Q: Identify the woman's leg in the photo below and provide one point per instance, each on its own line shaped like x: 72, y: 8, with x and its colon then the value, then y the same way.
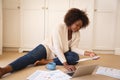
x: 71, y: 58
x: 43, y: 62
x: 36, y: 54
x: 5, y: 70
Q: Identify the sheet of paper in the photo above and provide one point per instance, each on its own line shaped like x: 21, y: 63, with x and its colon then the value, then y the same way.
x: 115, y: 73
x: 91, y: 58
x: 49, y: 75
x: 37, y: 74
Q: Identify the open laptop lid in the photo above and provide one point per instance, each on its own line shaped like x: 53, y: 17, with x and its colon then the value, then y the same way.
x: 84, y: 70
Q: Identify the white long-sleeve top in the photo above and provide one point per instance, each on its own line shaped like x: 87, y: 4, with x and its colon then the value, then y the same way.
x: 57, y: 44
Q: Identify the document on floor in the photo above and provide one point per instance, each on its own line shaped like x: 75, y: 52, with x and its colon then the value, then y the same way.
x: 48, y: 75
x: 90, y: 58
x: 115, y: 73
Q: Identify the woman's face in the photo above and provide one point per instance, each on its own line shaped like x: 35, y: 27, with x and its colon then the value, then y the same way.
x: 76, y: 26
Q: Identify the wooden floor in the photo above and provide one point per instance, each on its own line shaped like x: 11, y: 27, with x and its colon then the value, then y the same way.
x: 108, y: 60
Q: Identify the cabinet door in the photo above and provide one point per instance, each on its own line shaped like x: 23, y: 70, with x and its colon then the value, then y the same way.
x: 32, y: 23
x: 117, y: 31
x: 0, y: 27
x: 55, y: 11
x: 11, y: 23
x: 86, y: 35
x: 105, y: 23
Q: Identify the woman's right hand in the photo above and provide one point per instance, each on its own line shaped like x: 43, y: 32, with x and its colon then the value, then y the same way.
x: 69, y: 67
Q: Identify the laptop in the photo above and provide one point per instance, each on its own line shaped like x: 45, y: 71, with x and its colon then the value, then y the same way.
x: 82, y: 70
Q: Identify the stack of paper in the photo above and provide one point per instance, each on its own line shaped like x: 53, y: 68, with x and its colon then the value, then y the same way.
x: 115, y: 73
x: 49, y: 75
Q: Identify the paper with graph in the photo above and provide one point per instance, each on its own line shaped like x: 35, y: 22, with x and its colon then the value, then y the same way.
x: 49, y: 75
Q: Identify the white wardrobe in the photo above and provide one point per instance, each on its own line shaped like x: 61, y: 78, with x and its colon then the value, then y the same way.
x: 28, y: 22
x: 0, y: 27
x: 40, y: 17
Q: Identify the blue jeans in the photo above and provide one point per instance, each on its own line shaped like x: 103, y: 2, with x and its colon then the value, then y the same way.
x: 71, y: 58
x: 40, y: 53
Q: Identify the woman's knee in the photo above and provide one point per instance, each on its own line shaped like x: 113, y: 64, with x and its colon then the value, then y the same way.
x: 72, y: 58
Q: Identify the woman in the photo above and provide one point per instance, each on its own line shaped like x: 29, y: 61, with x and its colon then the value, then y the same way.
x: 60, y: 47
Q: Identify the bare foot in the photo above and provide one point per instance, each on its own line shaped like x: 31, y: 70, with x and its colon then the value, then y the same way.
x: 1, y: 72
x: 42, y: 62
x: 5, y: 70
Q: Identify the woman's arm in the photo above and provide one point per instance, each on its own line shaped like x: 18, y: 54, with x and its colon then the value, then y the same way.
x: 75, y: 43
x: 74, y: 47
x: 57, y: 44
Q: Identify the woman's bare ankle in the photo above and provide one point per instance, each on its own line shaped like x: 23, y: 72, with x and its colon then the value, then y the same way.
x: 5, y: 70
x: 1, y: 72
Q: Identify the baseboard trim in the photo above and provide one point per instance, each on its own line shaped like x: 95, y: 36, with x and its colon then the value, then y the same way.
x: 24, y: 50
x: 99, y: 51
x: 117, y: 51
x: 15, y: 49
x: 103, y: 51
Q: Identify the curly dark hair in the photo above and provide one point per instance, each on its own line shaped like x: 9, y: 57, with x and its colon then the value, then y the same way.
x: 74, y: 15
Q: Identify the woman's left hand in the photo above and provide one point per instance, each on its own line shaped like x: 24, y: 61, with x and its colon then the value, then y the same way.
x: 91, y: 54
x: 88, y: 53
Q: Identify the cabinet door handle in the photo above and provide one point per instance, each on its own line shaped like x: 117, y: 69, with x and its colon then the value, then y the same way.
x: 18, y: 7
x: 43, y: 7
x: 46, y: 7
x: 95, y: 10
